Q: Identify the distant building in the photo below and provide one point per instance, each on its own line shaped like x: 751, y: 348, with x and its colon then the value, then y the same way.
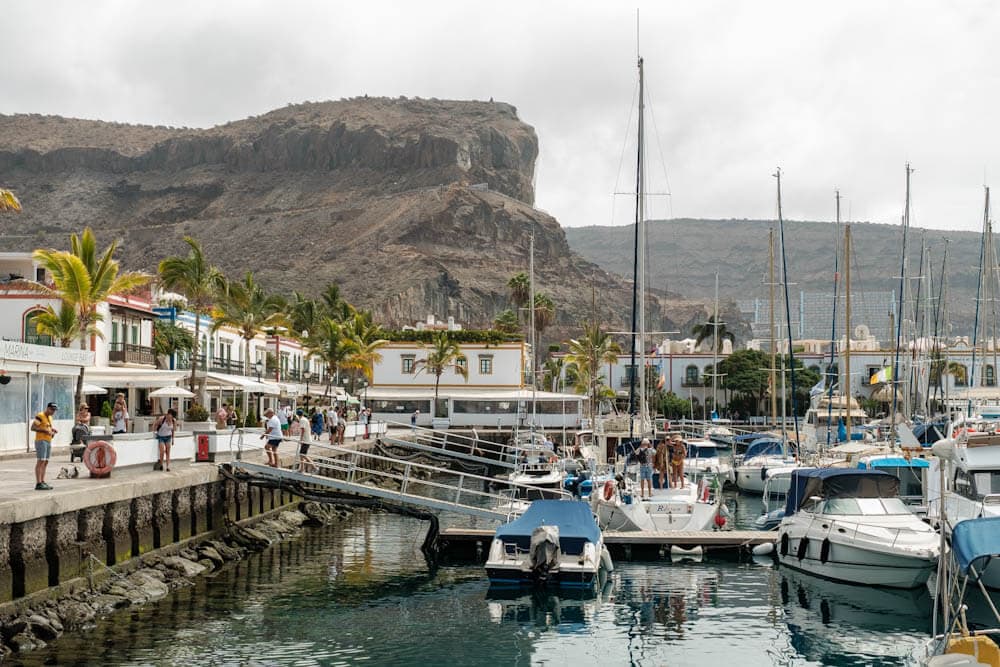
x: 812, y: 315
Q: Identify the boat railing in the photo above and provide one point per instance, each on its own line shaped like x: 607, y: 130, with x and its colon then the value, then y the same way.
x: 855, y: 525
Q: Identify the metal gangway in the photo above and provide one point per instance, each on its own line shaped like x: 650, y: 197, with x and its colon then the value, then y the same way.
x: 347, y: 470
x: 471, y: 449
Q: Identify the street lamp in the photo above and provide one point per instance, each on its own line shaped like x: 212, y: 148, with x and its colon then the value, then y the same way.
x: 259, y: 367
x: 307, y: 376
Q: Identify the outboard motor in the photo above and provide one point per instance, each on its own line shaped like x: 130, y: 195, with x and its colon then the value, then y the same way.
x: 544, y: 553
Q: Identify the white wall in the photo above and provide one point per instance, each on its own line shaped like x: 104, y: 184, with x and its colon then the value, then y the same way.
x: 507, y: 365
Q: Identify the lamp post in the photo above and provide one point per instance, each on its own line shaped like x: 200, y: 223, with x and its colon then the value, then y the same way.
x: 307, y: 376
x: 259, y: 368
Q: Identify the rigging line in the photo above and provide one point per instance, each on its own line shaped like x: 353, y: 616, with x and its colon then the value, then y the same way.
x: 663, y: 160
x: 621, y: 159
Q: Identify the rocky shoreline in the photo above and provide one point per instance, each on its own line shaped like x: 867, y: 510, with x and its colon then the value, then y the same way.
x: 35, y: 624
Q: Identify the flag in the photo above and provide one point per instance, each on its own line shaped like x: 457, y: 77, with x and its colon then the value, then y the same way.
x: 817, y: 390
x: 884, y: 375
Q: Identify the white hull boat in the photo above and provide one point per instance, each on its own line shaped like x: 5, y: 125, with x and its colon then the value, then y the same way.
x: 693, y: 507
x: 850, y: 525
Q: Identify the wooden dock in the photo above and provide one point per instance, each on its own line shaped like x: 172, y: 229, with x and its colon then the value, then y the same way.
x: 474, y: 542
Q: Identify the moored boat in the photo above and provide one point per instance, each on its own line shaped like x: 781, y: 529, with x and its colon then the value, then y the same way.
x: 555, y: 542
x: 850, y: 525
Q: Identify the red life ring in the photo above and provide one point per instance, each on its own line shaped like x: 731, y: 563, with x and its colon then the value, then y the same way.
x: 609, y: 490
x: 100, y: 457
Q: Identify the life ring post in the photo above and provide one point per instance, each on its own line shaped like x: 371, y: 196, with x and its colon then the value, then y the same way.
x: 100, y: 458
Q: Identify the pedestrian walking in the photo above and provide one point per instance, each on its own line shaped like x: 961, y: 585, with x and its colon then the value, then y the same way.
x: 164, y: 427
x: 273, y: 433
x: 305, y: 463
x: 413, y: 420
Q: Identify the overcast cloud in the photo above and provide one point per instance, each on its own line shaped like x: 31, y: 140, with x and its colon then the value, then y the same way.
x: 838, y: 94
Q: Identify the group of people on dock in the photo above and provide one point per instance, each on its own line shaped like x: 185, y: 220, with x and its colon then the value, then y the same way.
x: 667, y: 460
x: 308, y: 427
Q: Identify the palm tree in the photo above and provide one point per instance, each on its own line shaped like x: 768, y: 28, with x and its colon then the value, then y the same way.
x: 365, y: 337
x: 197, y: 280
x: 62, y: 325
x: 170, y: 339
x: 520, y: 291
x: 707, y: 330
x: 83, y: 279
x: 444, y: 354
x: 334, y: 305
x: 330, y: 343
x: 587, y: 355
x: 545, y: 312
x: 553, y: 367
x: 246, y: 307
x: 507, y: 322
x: 8, y: 201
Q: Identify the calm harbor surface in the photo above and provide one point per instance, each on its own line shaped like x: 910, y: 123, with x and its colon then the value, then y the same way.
x: 360, y: 593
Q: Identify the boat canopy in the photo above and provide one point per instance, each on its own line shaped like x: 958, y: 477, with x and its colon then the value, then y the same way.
x: 702, y: 450
x: 893, y: 462
x: 574, y: 519
x: 838, y: 483
x: 767, y: 447
x: 974, y: 540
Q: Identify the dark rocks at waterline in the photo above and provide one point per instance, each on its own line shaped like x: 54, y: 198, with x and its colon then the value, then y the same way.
x: 32, y: 628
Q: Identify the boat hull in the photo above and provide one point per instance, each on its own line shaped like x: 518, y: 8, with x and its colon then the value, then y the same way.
x: 515, y: 576
x: 855, y: 563
x: 750, y: 479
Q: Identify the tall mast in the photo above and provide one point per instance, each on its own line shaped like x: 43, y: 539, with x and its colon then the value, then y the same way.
x: 894, y: 381
x: 774, y: 363
x: 983, y: 285
x: 788, y: 311
x: 635, y: 259
x: 715, y: 347
x: 833, y: 326
x: 534, y: 347
x: 641, y: 195
x: 847, y: 318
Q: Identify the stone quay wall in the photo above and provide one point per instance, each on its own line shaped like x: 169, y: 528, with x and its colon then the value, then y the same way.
x: 52, y: 541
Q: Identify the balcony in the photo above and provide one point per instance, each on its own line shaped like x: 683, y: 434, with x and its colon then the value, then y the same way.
x: 127, y: 353
x: 215, y: 365
x: 38, y: 339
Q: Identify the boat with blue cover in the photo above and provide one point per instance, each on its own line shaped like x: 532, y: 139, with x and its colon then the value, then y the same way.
x: 850, y: 525
x: 554, y: 543
x: 761, y: 455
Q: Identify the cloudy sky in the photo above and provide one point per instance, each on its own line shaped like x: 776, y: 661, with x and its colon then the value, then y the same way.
x: 839, y: 94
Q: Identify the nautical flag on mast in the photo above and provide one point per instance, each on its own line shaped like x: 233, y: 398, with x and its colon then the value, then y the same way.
x: 818, y: 389
x: 884, y: 375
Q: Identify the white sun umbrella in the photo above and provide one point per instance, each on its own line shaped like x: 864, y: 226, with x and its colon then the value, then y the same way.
x: 171, y: 392
x: 93, y: 389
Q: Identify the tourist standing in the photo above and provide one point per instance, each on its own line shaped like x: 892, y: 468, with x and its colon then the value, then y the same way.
x: 318, y: 424
x: 661, y: 462
x: 221, y: 416
x: 333, y: 424
x: 645, y: 457
x: 295, y: 428
x: 44, y: 431
x: 283, y: 414
x: 274, y: 434
x: 364, y: 421
x: 413, y: 420
x: 678, y: 452
x: 164, y: 427
x: 119, y: 416
x: 341, y: 425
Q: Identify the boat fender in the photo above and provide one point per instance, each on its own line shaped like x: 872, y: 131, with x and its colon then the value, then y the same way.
x: 100, y: 457
x: 606, y: 561
x: 765, y: 549
x: 784, y: 545
x: 824, y: 551
x: 609, y: 490
x: 803, y: 548
x: 763, y: 473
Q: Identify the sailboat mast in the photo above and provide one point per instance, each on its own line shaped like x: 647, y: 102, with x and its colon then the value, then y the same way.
x: 788, y: 310
x: 894, y: 381
x: 715, y: 348
x: 774, y: 364
x: 833, y: 328
x: 847, y: 319
x: 635, y: 262
x: 979, y: 299
x: 534, y: 347
x: 641, y: 196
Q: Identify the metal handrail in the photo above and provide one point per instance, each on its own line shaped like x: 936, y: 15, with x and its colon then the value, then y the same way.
x: 470, y: 445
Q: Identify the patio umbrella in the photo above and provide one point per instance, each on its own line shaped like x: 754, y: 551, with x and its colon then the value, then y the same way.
x: 93, y: 390
x: 171, y: 392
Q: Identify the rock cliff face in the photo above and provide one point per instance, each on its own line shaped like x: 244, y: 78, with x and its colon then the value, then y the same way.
x: 412, y: 206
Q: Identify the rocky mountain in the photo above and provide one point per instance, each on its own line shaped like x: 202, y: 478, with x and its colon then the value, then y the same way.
x: 686, y: 253
x: 412, y: 206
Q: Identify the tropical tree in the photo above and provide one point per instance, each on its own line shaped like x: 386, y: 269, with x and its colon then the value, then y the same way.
x: 745, y: 374
x: 84, y: 278
x: 330, y: 343
x: 520, y: 290
x: 170, y: 339
x: 366, y: 340
x: 705, y: 331
x: 507, y: 322
x: 62, y: 325
x: 199, y: 282
x: 246, y: 307
x: 444, y: 354
x: 334, y: 305
x: 587, y: 355
x: 552, y: 373
x: 8, y: 201
x: 545, y: 312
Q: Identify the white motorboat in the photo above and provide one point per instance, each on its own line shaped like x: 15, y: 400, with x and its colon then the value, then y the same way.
x: 720, y: 433
x: 850, y: 525
x: 538, y: 466
x: 703, y: 459
x: 691, y: 507
x: 555, y: 542
x: 773, y: 510
x: 762, y: 455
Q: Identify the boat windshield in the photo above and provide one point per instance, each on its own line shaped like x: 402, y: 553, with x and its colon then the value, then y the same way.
x: 864, y: 506
x: 702, y: 451
x: 987, y: 482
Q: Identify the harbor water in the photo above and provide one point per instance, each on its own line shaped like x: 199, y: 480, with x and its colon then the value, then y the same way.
x: 361, y: 593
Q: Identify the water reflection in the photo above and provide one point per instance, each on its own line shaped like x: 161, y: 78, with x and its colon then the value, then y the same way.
x: 362, y: 593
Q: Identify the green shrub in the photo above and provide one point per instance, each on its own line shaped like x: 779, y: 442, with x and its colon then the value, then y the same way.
x: 106, y: 410
x: 196, y: 413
